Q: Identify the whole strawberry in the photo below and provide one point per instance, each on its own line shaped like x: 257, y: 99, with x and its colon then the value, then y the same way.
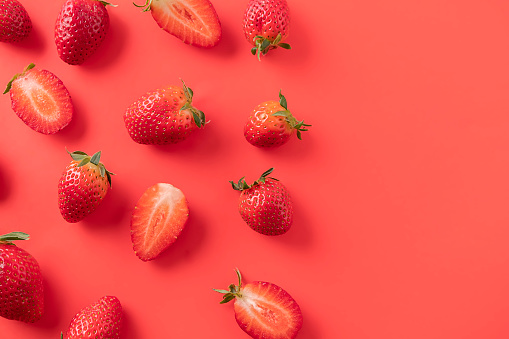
x: 21, y: 288
x: 15, y: 24
x: 83, y: 186
x: 266, y: 25
x: 265, y: 205
x: 264, y: 310
x: 100, y: 320
x: 40, y: 99
x: 271, y: 124
x: 163, y: 116
x: 80, y: 29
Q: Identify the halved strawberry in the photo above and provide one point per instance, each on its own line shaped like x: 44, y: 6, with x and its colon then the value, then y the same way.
x: 264, y: 310
x: 195, y: 22
x: 41, y: 100
x: 158, y: 218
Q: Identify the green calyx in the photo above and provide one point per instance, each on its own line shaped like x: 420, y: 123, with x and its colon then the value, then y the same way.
x: 242, y: 185
x: 105, y: 3
x: 145, y: 6
x: 264, y: 45
x: 233, y: 290
x: 300, y: 126
x: 13, y: 236
x: 83, y: 159
x: 9, y: 84
x: 198, y: 116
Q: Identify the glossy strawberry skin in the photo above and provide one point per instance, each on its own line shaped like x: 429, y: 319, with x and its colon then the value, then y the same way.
x: 100, y: 320
x: 267, y: 207
x: 156, y: 118
x: 15, y: 23
x: 275, y: 308
x: 263, y: 129
x: 21, y: 285
x: 41, y: 100
x: 267, y: 18
x: 80, y: 29
x: 80, y: 191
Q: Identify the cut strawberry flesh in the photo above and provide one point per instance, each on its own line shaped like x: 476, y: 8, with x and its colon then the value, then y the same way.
x: 41, y: 100
x: 265, y: 310
x: 157, y: 220
x: 195, y: 22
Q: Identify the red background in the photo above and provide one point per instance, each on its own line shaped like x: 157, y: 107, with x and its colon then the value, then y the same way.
x: 400, y: 187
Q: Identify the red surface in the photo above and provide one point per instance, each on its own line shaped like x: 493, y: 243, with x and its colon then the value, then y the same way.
x: 400, y: 187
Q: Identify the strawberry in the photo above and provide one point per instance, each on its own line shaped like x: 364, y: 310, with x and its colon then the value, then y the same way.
x: 158, y: 218
x: 272, y: 124
x: 83, y: 186
x: 264, y: 310
x: 163, y: 116
x: 100, y: 320
x: 80, y: 29
x: 266, y: 25
x: 195, y: 22
x: 15, y: 24
x: 41, y: 100
x: 265, y: 205
x: 21, y: 288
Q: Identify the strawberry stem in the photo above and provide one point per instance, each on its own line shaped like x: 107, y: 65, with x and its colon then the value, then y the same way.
x: 198, y: 116
x: 233, y: 290
x: 146, y: 6
x: 290, y: 119
x: 264, y: 45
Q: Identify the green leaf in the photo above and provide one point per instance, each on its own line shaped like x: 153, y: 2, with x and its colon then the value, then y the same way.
x: 253, y: 51
x: 83, y: 162
x: 265, y: 44
x: 108, y: 176
x: 282, y: 100
x: 105, y: 3
x: 102, y: 170
x: 277, y: 39
x: 284, y: 45
x: 79, y: 152
x: 29, y: 67
x: 227, y: 299
x: 299, y: 135
x: 96, y: 158
x: 14, y: 236
x: 280, y: 114
x: 221, y: 291
x: 196, y: 118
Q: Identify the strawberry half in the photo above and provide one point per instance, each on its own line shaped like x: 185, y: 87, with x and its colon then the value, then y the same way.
x: 264, y: 310
x: 158, y: 218
x: 100, y: 320
x: 41, y: 100
x: 195, y: 22
x: 21, y: 287
x: 83, y: 186
x: 15, y: 24
x: 164, y: 116
x: 80, y: 29
x: 271, y: 124
x: 265, y: 205
x: 266, y: 25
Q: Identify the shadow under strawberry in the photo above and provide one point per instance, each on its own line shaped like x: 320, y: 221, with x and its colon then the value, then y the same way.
x: 188, y: 242
x: 129, y: 329
x: 52, y: 310
x: 5, y: 184
x: 112, y: 46
x: 34, y: 43
x: 227, y: 47
x: 75, y: 130
x: 114, y: 210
